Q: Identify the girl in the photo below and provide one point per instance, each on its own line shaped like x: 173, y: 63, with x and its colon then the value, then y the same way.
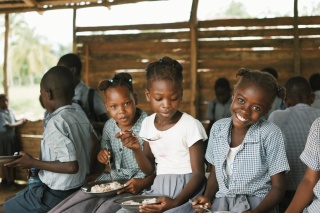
x: 177, y: 155
x: 121, y: 105
x: 8, y: 139
x: 247, y: 153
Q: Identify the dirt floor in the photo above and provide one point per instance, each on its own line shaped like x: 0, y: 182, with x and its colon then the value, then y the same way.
x: 6, y: 192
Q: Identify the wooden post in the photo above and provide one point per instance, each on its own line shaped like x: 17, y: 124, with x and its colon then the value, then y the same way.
x: 74, y: 39
x: 87, y: 65
x: 5, y: 70
x: 193, y: 24
x: 297, y: 66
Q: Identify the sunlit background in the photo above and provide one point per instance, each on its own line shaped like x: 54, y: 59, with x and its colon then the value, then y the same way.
x: 38, y: 40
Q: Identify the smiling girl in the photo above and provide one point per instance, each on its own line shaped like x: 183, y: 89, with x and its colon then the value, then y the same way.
x: 247, y: 153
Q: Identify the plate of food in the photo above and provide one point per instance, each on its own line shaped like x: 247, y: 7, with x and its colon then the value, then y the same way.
x: 103, y: 188
x: 133, y: 202
x: 7, y: 159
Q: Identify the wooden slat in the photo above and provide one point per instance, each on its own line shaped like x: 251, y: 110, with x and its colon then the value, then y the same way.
x: 31, y: 128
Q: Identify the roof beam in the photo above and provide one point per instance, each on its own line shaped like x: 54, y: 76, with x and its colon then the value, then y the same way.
x: 31, y: 3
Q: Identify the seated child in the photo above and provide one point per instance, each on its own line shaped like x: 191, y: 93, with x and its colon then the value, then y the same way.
x: 247, y: 153
x: 9, y: 143
x: 295, y: 123
x: 64, y: 158
x: 308, y: 192
x: 177, y: 155
x: 121, y: 105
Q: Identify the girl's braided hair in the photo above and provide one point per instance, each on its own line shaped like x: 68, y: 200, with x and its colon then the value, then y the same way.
x: 164, y: 69
x: 262, y: 79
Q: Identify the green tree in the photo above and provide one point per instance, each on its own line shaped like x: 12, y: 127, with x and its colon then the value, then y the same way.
x: 237, y: 10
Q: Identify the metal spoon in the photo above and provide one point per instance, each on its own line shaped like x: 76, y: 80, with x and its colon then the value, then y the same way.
x: 110, y: 166
x: 205, y: 209
x: 154, y: 138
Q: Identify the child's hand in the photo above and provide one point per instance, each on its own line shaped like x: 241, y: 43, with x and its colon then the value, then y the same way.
x: 26, y: 161
x: 133, y: 186
x: 201, y: 202
x: 103, y: 156
x: 165, y: 203
x: 129, y: 140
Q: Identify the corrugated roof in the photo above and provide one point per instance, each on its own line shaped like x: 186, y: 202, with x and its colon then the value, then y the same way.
x: 17, y: 6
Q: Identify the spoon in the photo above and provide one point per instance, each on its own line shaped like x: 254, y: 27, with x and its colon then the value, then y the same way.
x: 205, y: 209
x: 109, y: 166
x: 154, y: 138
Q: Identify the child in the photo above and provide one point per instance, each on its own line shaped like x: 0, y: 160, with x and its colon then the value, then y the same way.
x: 219, y: 107
x: 308, y: 191
x: 295, y: 123
x: 121, y: 105
x: 278, y: 102
x: 8, y: 139
x: 179, y: 152
x: 64, y: 158
x: 247, y: 153
x: 314, y: 81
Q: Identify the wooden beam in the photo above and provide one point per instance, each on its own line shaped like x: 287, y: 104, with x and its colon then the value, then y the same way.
x: 193, y: 60
x: 32, y: 3
x: 74, y: 28
x: 297, y: 59
x: 5, y: 70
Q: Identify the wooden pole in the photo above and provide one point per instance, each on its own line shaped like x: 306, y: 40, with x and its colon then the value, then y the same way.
x: 87, y: 65
x: 297, y: 63
x: 193, y: 24
x: 74, y: 39
x: 5, y: 63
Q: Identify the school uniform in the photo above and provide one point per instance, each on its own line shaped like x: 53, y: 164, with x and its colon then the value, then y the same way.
x: 124, y: 166
x: 66, y: 137
x: 316, y: 103
x: 81, y: 97
x: 310, y: 157
x: 261, y: 155
x: 172, y: 157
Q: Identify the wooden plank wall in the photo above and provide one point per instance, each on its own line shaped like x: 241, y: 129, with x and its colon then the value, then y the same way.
x: 30, y: 135
x: 223, y: 47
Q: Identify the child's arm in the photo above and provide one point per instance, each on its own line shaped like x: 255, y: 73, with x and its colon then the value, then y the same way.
x: 136, y: 185
x: 275, y: 194
x: 304, y: 193
x: 15, y: 124
x: 145, y: 158
x: 26, y: 161
x: 212, y: 188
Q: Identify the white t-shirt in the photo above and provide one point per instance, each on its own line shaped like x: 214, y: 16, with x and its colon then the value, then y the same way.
x: 171, y: 152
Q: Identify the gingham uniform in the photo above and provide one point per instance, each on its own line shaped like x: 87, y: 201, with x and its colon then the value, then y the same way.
x: 261, y: 155
x: 295, y: 123
x: 311, y: 157
x: 124, y: 164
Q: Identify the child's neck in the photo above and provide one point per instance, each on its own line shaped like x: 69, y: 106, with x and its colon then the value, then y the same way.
x: 237, y: 135
x: 163, y: 125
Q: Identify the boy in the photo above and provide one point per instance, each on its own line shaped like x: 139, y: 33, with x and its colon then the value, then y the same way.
x: 295, y: 123
x: 64, y: 158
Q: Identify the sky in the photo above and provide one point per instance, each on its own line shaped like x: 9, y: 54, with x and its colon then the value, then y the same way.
x: 56, y: 25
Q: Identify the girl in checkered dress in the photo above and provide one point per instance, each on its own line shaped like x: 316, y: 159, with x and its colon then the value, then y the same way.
x: 247, y: 153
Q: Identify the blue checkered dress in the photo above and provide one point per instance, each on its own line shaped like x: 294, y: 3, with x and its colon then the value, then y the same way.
x: 124, y: 162
x: 261, y: 155
x: 311, y: 157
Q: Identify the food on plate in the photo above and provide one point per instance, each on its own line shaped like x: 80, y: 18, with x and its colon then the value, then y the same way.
x: 145, y: 201
x: 106, y: 187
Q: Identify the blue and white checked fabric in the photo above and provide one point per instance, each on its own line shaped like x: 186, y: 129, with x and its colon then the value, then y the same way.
x: 261, y: 155
x: 311, y: 157
x: 124, y: 164
x: 295, y: 123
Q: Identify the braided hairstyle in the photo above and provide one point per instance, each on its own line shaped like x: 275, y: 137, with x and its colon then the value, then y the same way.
x: 117, y: 80
x: 164, y: 69
x: 263, y: 80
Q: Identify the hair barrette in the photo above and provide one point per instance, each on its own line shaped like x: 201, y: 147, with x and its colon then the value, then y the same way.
x: 279, y: 89
x: 160, y: 60
x: 111, y: 80
x: 246, y: 70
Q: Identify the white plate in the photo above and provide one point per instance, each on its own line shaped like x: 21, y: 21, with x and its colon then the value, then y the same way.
x: 7, y: 159
x: 135, y: 198
x: 87, y: 188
